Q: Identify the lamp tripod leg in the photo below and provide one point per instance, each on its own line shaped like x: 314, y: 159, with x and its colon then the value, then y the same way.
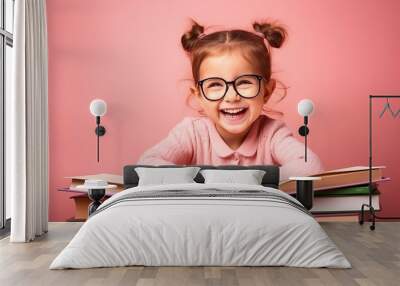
x: 371, y: 215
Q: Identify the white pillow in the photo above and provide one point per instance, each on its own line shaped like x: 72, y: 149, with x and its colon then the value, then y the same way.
x: 249, y: 177
x: 162, y: 176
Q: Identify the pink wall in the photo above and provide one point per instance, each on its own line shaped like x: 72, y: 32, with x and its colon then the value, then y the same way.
x: 128, y: 53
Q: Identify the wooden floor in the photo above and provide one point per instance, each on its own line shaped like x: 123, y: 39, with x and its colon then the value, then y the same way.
x: 374, y: 255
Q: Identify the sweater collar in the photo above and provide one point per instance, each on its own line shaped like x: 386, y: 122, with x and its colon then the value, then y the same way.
x: 248, y: 147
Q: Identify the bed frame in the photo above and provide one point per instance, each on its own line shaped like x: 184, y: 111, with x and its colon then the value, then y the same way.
x: 270, y: 179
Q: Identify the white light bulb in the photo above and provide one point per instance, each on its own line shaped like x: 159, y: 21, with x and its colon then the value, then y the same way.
x: 98, y: 107
x: 305, y: 107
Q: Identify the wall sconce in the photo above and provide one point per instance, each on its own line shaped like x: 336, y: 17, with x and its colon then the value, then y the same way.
x: 98, y: 108
x: 305, y: 107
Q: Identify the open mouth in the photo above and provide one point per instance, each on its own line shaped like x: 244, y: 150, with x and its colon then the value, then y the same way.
x: 234, y: 114
x: 233, y: 111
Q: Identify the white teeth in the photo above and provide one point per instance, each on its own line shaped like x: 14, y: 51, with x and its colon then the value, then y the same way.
x: 232, y: 110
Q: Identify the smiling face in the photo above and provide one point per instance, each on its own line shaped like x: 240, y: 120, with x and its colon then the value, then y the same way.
x: 233, y: 115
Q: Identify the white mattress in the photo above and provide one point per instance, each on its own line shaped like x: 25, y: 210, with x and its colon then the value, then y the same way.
x: 183, y: 231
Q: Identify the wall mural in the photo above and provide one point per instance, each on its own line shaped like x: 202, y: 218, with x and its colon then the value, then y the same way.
x: 193, y: 86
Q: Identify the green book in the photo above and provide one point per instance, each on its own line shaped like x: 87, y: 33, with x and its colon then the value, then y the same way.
x: 360, y: 190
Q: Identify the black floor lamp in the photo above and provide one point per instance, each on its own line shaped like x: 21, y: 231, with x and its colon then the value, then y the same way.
x: 369, y: 205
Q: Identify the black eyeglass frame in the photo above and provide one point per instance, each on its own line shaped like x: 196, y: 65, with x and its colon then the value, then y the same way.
x: 227, y: 83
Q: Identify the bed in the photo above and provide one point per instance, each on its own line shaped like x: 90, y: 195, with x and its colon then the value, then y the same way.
x: 201, y: 224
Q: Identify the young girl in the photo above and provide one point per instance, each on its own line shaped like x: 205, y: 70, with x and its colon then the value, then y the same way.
x: 232, y: 83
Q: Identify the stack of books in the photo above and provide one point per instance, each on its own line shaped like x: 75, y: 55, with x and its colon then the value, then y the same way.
x: 341, y: 192
x: 80, y: 197
x: 109, y: 178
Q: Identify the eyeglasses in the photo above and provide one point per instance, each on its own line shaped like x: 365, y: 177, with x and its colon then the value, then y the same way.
x: 215, y: 88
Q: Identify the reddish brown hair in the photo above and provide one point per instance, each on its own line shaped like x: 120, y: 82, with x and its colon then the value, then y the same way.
x: 198, y: 46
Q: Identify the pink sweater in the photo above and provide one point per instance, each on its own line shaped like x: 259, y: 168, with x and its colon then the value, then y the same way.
x: 195, y: 140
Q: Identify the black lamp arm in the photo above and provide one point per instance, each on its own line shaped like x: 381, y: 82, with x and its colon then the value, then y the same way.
x: 100, y: 131
x: 303, y: 131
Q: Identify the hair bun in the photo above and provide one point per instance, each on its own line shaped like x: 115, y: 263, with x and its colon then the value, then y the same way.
x: 189, y: 39
x: 274, y: 34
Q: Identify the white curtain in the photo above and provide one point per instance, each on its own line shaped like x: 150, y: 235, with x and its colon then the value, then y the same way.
x: 27, y: 124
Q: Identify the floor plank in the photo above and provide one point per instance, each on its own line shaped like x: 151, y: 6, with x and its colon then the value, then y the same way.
x: 374, y: 255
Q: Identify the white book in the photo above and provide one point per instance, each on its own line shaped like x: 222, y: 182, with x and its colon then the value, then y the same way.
x: 343, y: 203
